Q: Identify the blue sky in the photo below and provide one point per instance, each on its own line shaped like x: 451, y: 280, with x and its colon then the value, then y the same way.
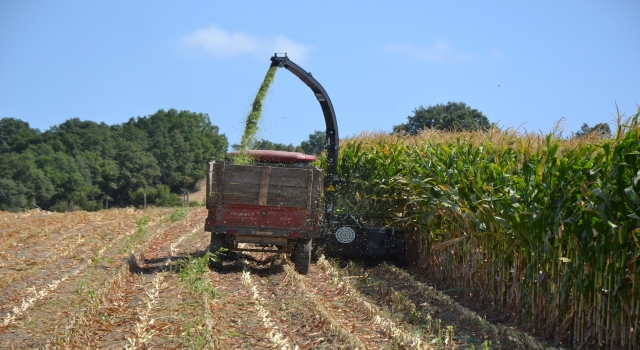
x: 523, y: 64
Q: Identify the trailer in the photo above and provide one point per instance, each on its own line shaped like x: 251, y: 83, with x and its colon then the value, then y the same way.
x: 276, y: 205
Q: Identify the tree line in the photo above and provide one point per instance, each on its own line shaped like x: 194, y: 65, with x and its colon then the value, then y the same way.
x: 79, y: 164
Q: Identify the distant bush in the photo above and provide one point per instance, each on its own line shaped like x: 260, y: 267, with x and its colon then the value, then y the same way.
x: 160, y: 196
x: 165, y: 198
x: 60, y: 207
x: 90, y: 205
x: 137, y: 196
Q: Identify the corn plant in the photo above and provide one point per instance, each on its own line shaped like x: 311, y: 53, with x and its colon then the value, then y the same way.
x: 544, y: 226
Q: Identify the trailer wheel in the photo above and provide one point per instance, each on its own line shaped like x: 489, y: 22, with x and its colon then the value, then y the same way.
x: 302, y: 256
x: 217, y: 242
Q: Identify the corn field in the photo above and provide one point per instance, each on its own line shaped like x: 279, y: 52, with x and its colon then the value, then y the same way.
x: 544, y: 227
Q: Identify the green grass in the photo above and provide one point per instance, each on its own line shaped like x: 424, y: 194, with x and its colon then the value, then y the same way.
x: 178, y: 214
x: 131, y: 241
x: 193, y: 273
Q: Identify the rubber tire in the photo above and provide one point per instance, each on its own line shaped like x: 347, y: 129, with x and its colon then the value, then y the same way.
x: 217, y: 242
x: 302, y: 256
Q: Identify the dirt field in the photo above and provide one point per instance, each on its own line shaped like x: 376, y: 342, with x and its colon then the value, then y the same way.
x: 127, y: 278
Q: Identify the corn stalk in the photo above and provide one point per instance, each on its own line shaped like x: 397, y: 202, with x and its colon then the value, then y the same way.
x: 544, y: 227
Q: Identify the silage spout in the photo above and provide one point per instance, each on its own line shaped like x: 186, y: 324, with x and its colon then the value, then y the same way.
x: 279, y: 60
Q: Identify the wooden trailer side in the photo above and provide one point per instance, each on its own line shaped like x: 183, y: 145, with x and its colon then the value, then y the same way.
x: 229, y: 184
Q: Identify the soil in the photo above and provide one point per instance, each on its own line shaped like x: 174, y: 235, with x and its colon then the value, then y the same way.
x: 107, y: 280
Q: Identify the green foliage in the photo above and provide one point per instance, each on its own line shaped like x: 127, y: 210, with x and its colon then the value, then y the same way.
x: 181, y: 142
x: 131, y: 241
x: 86, y: 161
x: 196, y: 336
x: 60, y: 207
x: 137, y: 196
x: 178, y: 214
x: 137, y: 168
x: 64, y: 174
x: 12, y: 195
x: 160, y: 196
x: 90, y: 205
x: 193, y: 273
x: 550, y: 233
x: 15, y: 135
x: 454, y: 116
x: 315, y: 144
x: 142, y: 222
x: 165, y: 198
x: 75, y: 136
x: 601, y: 129
x: 30, y: 182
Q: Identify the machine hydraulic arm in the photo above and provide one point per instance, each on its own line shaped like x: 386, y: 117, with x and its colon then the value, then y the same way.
x: 332, y: 141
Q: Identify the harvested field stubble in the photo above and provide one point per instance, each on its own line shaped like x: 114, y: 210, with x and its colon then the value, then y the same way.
x: 126, y: 309
x: 141, y: 281
x: 57, y: 296
x: 46, y: 274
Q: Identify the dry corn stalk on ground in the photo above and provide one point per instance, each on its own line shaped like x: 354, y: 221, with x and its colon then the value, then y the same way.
x: 129, y: 279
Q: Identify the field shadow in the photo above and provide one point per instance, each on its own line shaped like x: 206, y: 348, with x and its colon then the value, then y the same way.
x: 141, y: 265
x: 261, y: 264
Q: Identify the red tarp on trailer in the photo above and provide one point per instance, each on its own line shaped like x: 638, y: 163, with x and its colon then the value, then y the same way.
x: 268, y: 156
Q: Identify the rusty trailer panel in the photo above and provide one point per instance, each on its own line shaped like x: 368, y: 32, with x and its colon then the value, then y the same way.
x: 264, y: 200
x: 262, y: 221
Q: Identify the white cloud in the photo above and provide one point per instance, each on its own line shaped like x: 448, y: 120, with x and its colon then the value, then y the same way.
x: 440, y: 51
x: 220, y: 43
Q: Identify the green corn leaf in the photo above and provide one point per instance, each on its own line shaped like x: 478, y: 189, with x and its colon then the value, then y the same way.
x: 632, y: 195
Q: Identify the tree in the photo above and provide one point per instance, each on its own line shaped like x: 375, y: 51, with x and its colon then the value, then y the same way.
x: 22, y: 170
x: 181, y: 142
x: 602, y: 129
x: 315, y: 144
x: 136, y: 168
x: 84, y: 161
x: 452, y: 116
x: 75, y: 136
x: 12, y: 195
x: 15, y: 135
x: 102, y: 173
x: 63, y: 173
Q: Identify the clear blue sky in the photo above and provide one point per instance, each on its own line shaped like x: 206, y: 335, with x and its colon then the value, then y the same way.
x: 518, y: 62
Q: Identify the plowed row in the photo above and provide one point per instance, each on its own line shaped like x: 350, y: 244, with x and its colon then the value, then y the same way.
x: 127, y: 279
